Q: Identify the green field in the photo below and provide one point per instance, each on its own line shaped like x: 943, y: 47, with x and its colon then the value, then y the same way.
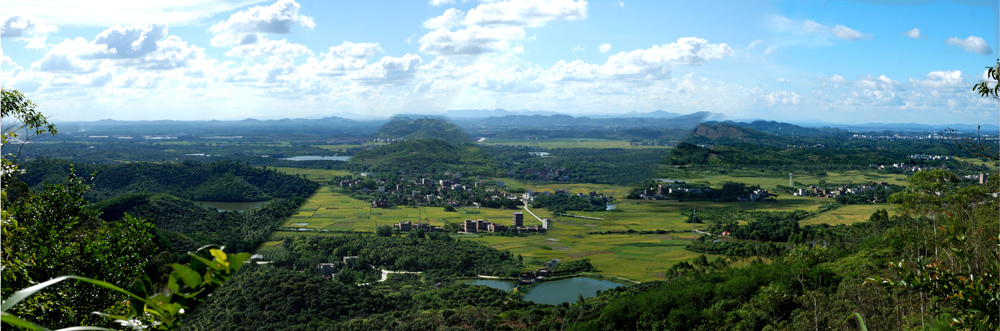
x: 771, y: 180
x: 846, y: 215
x: 337, y: 148
x: 638, y: 257
x: 319, y: 175
x: 566, y: 143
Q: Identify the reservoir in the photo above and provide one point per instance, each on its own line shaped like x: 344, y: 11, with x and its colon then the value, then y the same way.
x: 231, y: 206
x: 552, y: 292
x: 318, y: 158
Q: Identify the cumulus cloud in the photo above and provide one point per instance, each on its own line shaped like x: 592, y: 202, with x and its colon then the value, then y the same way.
x: 526, y: 12
x: 5, y: 60
x: 278, y: 18
x: 472, y: 40
x: 915, y: 33
x: 342, y: 59
x: 605, y: 48
x: 26, y: 29
x: 143, y: 47
x: 245, y: 31
x: 949, y: 79
x: 493, y: 26
x: 127, y: 42
x: 641, y: 65
x: 971, y: 44
x: 389, y: 71
x: 450, y: 19
x: 441, y: 2
x: 266, y: 48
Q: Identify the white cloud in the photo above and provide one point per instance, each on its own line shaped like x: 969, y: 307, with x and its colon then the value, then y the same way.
x: 657, y: 60
x: 134, y: 79
x: 441, y: 2
x: 389, y: 71
x: 62, y: 58
x: 267, y: 48
x: 526, y: 12
x: 971, y: 44
x: 949, y: 79
x: 125, y: 42
x: 641, y: 66
x: 343, y: 59
x: 244, y: 30
x: 846, y: 33
x: 472, y: 40
x: 143, y: 47
x: 915, y: 33
x: 605, y: 48
x: 5, y: 60
x: 782, y: 98
x: 578, y: 48
x: 90, y: 14
x: 450, y: 19
x: 26, y: 29
x: 278, y: 18
x: 620, y: 4
x: 811, y: 32
x: 782, y: 80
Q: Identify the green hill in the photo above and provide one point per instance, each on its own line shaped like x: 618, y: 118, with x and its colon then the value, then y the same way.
x: 422, y: 128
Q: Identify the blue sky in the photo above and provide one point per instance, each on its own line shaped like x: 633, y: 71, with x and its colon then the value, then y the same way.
x: 801, y: 61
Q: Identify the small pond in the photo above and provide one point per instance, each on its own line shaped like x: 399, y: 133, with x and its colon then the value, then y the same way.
x: 552, y: 292
x: 232, y: 206
x: 611, y: 207
x: 318, y: 158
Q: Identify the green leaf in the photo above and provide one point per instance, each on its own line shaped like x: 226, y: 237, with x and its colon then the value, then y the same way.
x: 190, y: 278
x: 15, y: 321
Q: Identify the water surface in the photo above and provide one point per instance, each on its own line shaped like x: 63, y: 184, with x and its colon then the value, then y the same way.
x: 553, y: 292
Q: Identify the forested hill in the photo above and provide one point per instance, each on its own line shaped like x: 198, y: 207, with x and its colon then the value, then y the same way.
x: 422, y: 128
x: 785, y: 129
x: 725, y: 133
x: 221, y: 181
x: 424, y: 156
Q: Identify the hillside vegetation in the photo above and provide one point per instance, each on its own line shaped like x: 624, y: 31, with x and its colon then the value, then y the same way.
x: 224, y: 181
x: 422, y: 128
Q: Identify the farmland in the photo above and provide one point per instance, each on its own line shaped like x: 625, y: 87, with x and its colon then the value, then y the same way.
x: 642, y: 257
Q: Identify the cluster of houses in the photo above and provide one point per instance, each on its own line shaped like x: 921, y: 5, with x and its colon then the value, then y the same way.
x: 529, y: 195
x: 406, y: 189
x: 517, y: 225
x: 757, y: 195
x: 904, y: 166
x: 406, y: 226
x: 813, y: 190
x: 980, y: 177
x: 387, y: 140
x: 895, y: 137
x: 929, y: 157
x: 538, y: 275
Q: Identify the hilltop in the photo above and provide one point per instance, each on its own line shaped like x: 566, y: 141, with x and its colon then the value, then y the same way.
x: 422, y: 128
